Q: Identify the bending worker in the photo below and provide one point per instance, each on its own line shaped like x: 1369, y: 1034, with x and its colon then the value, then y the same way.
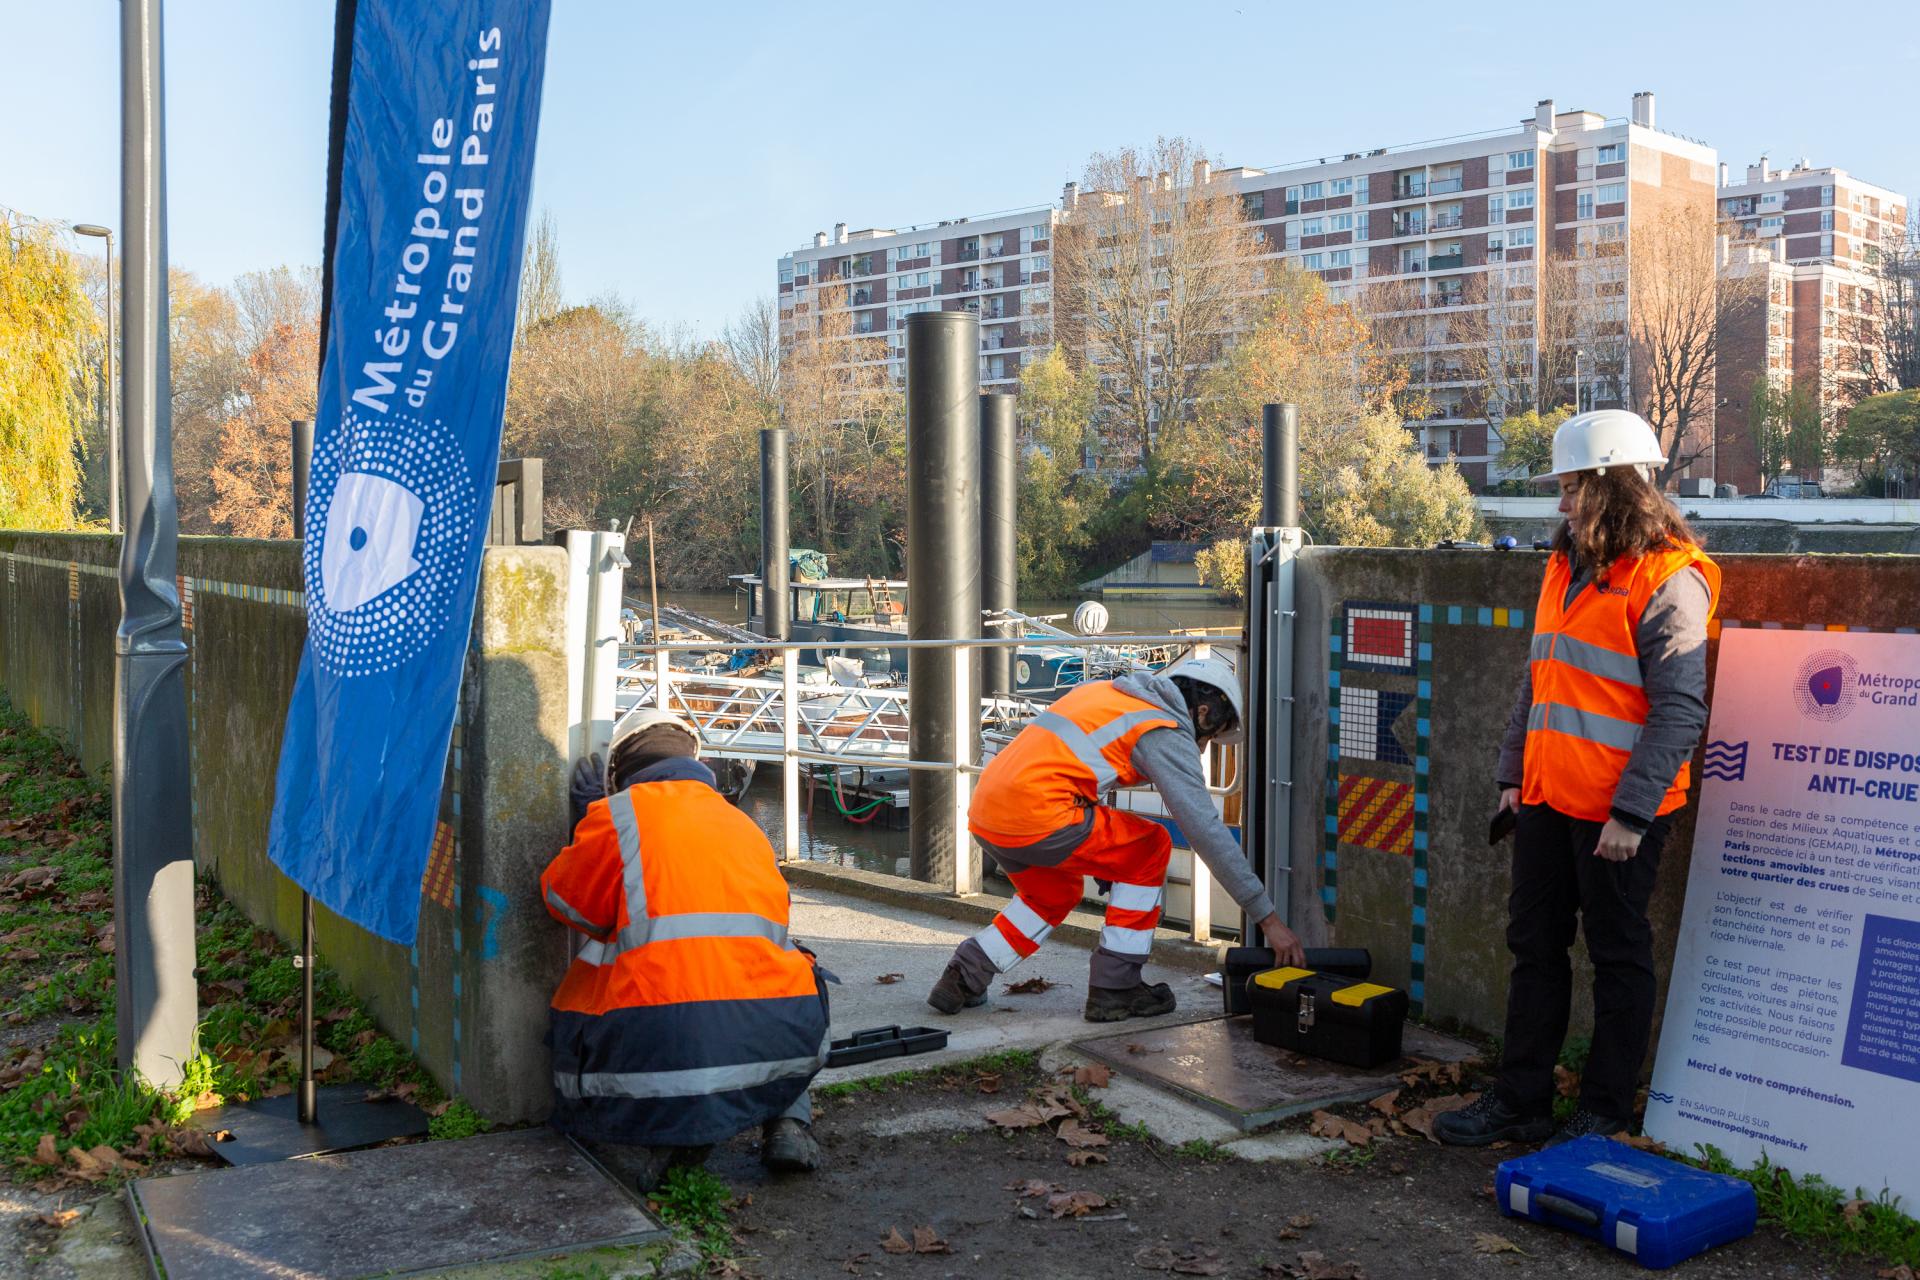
x: 1037, y: 810
x: 1596, y: 761
x: 688, y: 1015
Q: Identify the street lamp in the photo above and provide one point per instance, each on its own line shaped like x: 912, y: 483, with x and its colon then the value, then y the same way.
x: 113, y: 430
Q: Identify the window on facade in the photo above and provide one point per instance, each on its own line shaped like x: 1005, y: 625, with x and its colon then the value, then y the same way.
x: 1256, y: 202
x: 1826, y: 219
x: 1341, y: 222
x: 1771, y: 224
x: 1038, y: 231
x: 1613, y: 193
x: 1826, y: 246
x: 1496, y: 209
x: 1519, y: 237
x: 1520, y: 199
x: 1343, y: 186
x: 1360, y: 229
x: 1314, y: 261
x: 1826, y: 195
x: 1583, y: 205
x: 1313, y: 227
x: 1519, y: 159
x: 1496, y: 247
x: 786, y: 273
x: 1612, y: 153
x: 1314, y: 191
x: 1293, y: 195
x: 1341, y: 258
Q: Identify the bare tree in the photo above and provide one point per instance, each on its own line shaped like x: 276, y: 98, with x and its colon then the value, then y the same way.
x: 540, y: 295
x: 1583, y: 342
x: 752, y: 342
x: 577, y: 398
x: 1681, y: 300
x: 1153, y: 265
x: 1880, y: 333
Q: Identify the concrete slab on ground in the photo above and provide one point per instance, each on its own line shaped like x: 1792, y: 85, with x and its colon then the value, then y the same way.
x: 1219, y: 1066
x: 390, y: 1210
x: 862, y: 940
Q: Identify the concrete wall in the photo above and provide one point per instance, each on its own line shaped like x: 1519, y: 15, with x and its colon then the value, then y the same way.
x: 470, y: 997
x: 1470, y: 615
x: 1825, y: 526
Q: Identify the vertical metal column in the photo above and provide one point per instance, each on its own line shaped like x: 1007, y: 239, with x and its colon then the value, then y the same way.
x: 157, y: 1004
x: 943, y: 579
x: 307, y: 1095
x: 1280, y: 481
x: 775, y: 597
x: 999, y: 546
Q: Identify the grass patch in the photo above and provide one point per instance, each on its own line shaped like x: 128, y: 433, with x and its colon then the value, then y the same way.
x: 1810, y: 1209
x: 57, y: 966
x: 1203, y: 1149
x: 696, y: 1204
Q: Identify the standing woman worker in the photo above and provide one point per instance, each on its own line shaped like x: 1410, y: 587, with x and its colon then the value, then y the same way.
x: 1595, y: 762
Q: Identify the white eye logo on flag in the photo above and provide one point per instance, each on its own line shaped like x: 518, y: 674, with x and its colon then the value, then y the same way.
x: 388, y: 514
x: 372, y: 524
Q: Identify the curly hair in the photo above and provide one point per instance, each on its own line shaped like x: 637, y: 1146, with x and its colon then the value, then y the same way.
x: 1621, y: 516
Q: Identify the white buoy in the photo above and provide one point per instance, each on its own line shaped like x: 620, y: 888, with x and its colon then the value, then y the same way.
x: 1090, y: 618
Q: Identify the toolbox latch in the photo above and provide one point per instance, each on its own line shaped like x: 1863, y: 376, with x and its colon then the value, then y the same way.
x: 1305, y: 1017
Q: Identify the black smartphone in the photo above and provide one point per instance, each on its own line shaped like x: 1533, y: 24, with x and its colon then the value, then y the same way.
x: 1502, y: 825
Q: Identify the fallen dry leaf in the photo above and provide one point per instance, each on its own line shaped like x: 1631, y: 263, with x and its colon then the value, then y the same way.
x: 1078, y: 1158
x: 1641, y: 1142
x: 1487, y: 1242
x: 46, y: 1154
x: 1136, y: 1047
x: 1075, y: 1204
x: 1314, y: 1266
x: 1901, y: 1272
x: 1851, y: 1212
x: 99, y: 1163
x: 1025, y: 1116
x: 1199, y: 1262
x: 1451, y: 1102
x: 59, y: 1219
x: 1420, y: 1121
x: 1300, y: 1221
x: 1327, y: 1125
x: 195, y: 1142
x: 894, y: 1242
x: 1028, y: 987
x: 927, y: 1240
x: 1386, y: 1104
x: 1074, y: 1134
x: 987, y: 1082
x: 888, y: 979
x: 854, y: 1260
x: 1094, y: 1075
x: 1032, y: 1187
x: 104, y: 943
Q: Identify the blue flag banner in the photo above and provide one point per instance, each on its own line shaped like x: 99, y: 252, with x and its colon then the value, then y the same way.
x: 442, y: 111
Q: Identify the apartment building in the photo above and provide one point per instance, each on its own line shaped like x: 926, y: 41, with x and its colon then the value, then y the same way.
x: 1824, y: 214
x: 998, y: 267
x: 1500, y: 265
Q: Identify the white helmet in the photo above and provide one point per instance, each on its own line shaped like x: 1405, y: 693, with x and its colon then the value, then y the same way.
x: 1217, y: 669
x: 639, y: 720
x: 1602, y: 438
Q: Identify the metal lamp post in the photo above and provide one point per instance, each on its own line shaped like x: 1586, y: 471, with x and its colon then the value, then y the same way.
x: 113, y: 427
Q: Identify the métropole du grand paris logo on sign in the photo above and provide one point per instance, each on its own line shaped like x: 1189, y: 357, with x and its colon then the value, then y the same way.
x: 1830, y: 683
x: 390, y: 506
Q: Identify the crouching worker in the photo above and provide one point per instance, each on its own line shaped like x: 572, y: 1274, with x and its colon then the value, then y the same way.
x: 688, y: 1015
x: 1037, y: 811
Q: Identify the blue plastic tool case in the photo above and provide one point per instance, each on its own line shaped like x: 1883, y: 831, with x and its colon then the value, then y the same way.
x: 1657, y: 1210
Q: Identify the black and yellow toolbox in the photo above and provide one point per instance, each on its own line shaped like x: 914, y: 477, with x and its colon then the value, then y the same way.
x: 1327, y: 1015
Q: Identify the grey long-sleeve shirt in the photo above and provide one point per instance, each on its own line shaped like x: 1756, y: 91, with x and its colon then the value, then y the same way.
x: 1170, y: 759
x: 1672, y: 644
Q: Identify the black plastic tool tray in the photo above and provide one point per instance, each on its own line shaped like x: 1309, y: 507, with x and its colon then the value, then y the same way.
x: 876, y: 1043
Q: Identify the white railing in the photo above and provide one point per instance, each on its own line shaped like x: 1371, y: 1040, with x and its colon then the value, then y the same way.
x: 794, y: 724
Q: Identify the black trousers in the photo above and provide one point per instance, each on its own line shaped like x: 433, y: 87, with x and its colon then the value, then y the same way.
x: 1558, y: 880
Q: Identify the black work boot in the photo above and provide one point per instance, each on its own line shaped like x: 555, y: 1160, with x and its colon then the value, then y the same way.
x: 952, y: 994
x: 787, y: 1146
x: 1487, y: 1119
x: 1109, y: 1004
x: 1585, y: 1122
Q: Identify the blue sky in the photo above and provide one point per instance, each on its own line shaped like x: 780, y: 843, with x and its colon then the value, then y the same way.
x: 684, y: 148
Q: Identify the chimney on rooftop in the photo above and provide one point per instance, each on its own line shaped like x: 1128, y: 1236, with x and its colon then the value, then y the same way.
x: 1723, y: 173
x: 839, y: 233
x: 1757, y: 172
x: 1202, y: 173
x: 1070, y: 196
x: 1543, y: 115
x: 819, y: 239
x: 1643, y: 109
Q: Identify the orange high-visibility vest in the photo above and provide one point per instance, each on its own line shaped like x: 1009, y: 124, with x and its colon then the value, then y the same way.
x: 689, y: 1015
x: 1059, y: 765
x: 1588, y: 702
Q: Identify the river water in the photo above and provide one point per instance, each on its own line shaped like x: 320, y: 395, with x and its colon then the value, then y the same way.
x: 880, y: 844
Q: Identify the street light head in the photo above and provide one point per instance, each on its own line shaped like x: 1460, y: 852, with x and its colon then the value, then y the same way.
x: 93, y: 229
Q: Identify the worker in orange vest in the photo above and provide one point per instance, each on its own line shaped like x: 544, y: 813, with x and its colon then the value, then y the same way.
x: 1595, y: 762
x: 1037, y: 810
x: 688, y: 1015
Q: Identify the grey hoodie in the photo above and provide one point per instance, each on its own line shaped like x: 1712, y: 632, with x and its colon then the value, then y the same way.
x: 1170, y: 759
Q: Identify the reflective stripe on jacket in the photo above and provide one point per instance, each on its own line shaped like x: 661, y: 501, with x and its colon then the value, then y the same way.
x: 688, y: 1016
x: 1589, y: 705
x: 1060, y: 764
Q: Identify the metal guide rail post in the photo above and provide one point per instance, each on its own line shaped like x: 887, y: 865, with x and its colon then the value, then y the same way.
x: 1269, y: 766
x: 781, y: 720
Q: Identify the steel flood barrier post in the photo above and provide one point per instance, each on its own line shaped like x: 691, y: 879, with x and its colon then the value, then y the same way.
x: 999, y: 539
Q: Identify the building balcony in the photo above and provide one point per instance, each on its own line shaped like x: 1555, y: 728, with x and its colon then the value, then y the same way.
x: 1444, y: 261
x: 967, y: 255
x: 862, y: 298
x: 1409, y: 190
x: 1413, y: 264
x: 1409, y: 226
x: 1446, y: 222
x: 1445, y: 186
x: 999, y: 251
x: 1447, y: 298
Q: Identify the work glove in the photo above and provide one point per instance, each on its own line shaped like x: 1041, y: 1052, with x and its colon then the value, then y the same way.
x: 589, y: 784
